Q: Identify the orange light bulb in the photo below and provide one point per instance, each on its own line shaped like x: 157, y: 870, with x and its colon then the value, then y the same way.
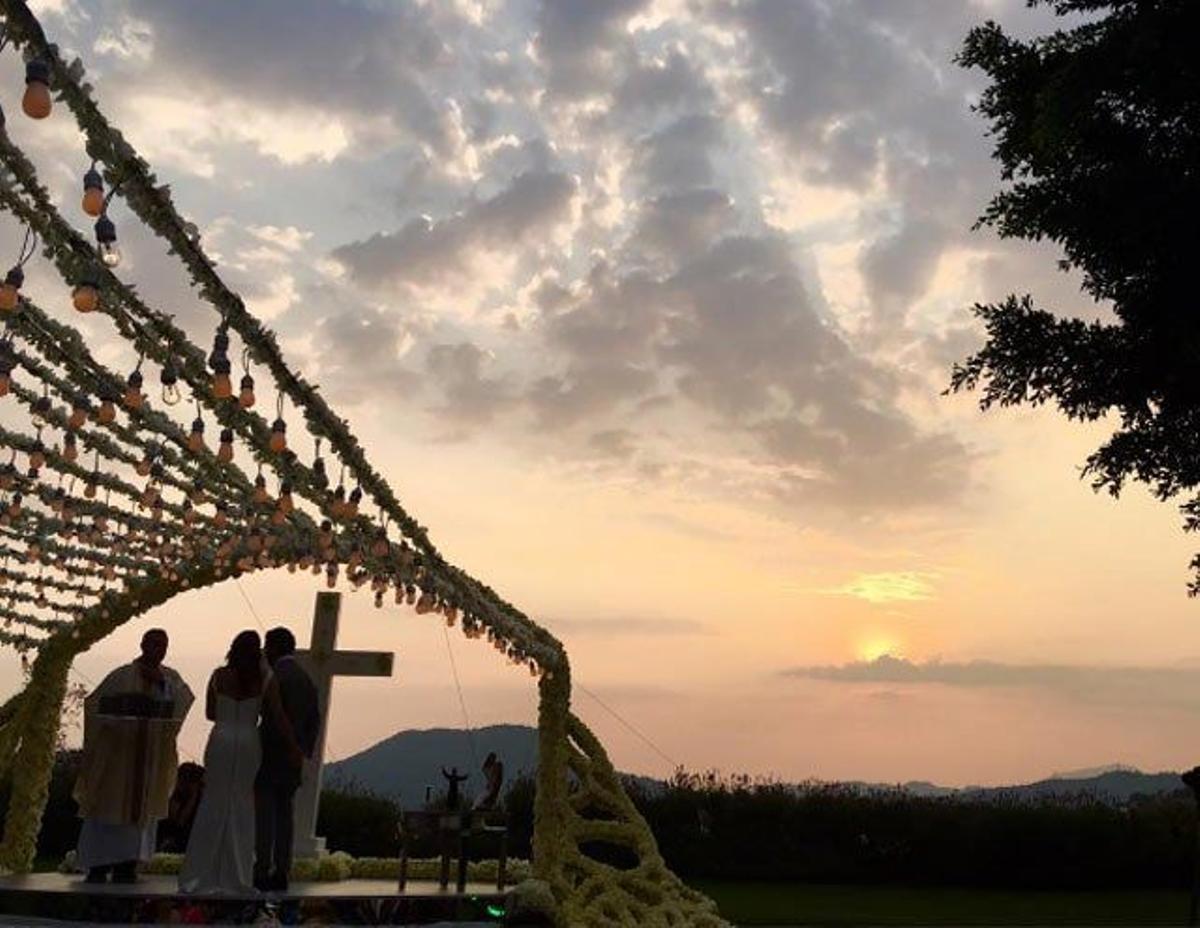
x: 106, y: 413
x: 37, y: 103
x: 86, y: 298
x: 93, y: 201
x: 8, y: 297
x: 222, y: 387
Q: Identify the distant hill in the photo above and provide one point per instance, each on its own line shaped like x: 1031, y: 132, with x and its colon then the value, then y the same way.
x: 1114, y: 786
x: 402, y: 766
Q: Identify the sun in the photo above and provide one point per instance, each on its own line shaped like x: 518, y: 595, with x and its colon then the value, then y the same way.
x: 877, y: 646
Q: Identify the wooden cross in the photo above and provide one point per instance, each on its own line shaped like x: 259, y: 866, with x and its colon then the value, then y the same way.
x: 323, y: 662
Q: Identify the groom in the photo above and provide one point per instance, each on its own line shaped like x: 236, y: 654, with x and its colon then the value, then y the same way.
x: 279, y: 774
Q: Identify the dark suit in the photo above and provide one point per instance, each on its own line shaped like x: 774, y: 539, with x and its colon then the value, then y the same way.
x: 278, y: 779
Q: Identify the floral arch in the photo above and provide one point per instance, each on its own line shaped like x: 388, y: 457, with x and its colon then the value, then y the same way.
x: 110, y: 504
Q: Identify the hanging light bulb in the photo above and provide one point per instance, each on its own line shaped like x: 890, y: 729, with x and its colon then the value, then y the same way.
x: 331, y: 575
x: 107, y: 411
x: 70, y: 450
x: 225, y: 451
x: 86, y: 295
x: 218, y: 360
x: 89, y: 487
x: 379, y: 547
x: 10, y: 290
x: 106, y: 242
x: 171, y: 394
x: 79, y: 412
x: 93, y: 192
x: 319, y: 477
x: 222, y: 386
x: 337, y: 505
x: 37, y: 103
x: 40, y: 412
x: 352, y: 502
x: 133, y: 390
x: 7, y: 364
x: 278, y: 442
x: 142, y: 468
x: 246, y: 397
x: 286, y: 504
x: 196, y: 438
x: 260, y: 489
x: 37, y: 456
x: 14, y: 505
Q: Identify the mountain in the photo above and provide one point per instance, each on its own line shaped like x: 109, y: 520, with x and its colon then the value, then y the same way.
x: 1114, y: 786
x: 403, y: 766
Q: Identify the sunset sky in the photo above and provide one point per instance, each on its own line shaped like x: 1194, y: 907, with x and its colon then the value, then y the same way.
x: 646, y: 310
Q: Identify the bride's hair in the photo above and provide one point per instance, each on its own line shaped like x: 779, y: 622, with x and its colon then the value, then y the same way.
x: 245, y: 658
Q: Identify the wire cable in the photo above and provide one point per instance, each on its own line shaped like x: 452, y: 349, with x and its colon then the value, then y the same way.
x: 616, y: 715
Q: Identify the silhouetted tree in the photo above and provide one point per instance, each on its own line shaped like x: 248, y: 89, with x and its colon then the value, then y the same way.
x: 1097, y: 131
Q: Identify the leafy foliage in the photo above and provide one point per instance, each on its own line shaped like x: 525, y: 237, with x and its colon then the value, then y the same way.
x: 1097, y: 131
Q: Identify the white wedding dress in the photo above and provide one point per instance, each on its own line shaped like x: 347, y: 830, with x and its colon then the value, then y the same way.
x: 220, y: 851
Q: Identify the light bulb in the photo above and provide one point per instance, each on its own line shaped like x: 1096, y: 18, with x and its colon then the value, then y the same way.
x: 246, y: 397
x: 110, y: 254
x: 89, y: 491
x: 70, y: 449
x: 107, y: 412
x: 278, y: 443
x: 222, y: 386
x: 171, y: 394
x: 225, y: 452
x: 10, y: 290
x: 5, y: 382
x: 78, y: 415
x: 93, y: 193
x: 37, y: 103
x: 86, y: 297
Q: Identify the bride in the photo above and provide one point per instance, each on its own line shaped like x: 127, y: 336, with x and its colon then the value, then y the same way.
x: 220, y: 851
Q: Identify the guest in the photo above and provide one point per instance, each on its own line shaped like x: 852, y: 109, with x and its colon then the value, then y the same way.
x: 493, y: 778
x: 130, y: 724
x: 174, y: 830
x: 453, y: 778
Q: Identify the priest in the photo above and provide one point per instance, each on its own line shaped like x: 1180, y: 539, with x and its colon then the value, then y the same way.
x: 131, y: 721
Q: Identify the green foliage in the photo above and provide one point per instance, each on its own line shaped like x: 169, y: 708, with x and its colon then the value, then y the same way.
x: 739, y: 828
x: 1097, y: 131
x: 358, y: 822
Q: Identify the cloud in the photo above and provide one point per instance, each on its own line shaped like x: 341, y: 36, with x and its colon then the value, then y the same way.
x: 576, y: 42
x: 628, y: 626
x: 428, y: 252
x: 369, y: 66
x: 890, y: 586
x: 1130, y: 686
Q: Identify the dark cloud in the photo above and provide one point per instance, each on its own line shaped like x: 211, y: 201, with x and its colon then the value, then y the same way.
x: 469, y: 396
x: 576, y: 42
x: 428, y: 252
x: 679, y: 155
x: 1177, y: 686
x: 359, y: 354
x: 364, y: 61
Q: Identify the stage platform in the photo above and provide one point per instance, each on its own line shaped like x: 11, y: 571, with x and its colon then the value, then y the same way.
x: 156, y: 900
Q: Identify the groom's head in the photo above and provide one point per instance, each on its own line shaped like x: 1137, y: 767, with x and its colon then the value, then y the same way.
x: 280, y: 642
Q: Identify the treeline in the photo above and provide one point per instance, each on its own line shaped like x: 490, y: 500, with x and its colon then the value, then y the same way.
x: 737, y: 828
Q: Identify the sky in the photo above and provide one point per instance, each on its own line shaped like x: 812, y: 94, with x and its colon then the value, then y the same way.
x: 647, y: 309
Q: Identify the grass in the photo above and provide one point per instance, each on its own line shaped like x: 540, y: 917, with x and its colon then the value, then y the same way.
x: 802, y: 904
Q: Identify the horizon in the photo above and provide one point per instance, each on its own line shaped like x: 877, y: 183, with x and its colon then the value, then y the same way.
x: 647, y: 309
